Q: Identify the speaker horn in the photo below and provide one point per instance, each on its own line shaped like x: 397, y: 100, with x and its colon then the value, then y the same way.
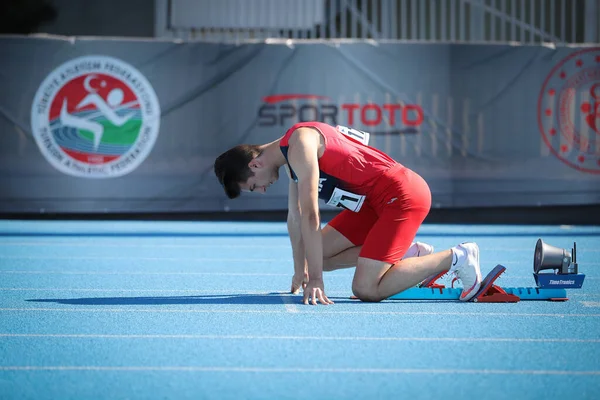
x: 550, y: 257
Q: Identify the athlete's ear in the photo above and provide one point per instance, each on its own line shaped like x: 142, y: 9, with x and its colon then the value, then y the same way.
x: 256, y: 162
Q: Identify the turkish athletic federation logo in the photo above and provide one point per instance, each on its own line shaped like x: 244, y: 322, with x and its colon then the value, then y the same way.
x: 95, y: 117
x: 569, y: 110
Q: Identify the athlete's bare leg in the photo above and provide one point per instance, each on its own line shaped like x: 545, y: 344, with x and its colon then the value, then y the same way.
x: 333, y: 258
x: 346, y: 259
x: 376, y: 280
x: 338, y: 251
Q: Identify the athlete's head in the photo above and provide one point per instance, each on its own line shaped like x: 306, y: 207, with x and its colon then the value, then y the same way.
x: 243, y: 168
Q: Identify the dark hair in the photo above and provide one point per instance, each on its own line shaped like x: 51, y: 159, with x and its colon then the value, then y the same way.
x: 232, y: 167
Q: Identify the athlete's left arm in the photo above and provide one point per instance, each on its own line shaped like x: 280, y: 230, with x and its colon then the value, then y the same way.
x: 294, y: 221
x: 303, y: 158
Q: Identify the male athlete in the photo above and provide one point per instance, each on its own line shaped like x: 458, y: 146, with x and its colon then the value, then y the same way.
x: 384, y: 204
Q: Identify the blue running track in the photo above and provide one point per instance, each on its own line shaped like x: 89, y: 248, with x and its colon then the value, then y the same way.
x: 200, y: 310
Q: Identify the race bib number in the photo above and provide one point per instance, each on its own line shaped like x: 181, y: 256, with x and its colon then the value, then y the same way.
x: 355, y: 134
x: 348, y: 200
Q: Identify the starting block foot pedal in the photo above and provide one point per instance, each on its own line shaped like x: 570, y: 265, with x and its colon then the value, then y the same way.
x: 490, y: 293
x: 431, y: 281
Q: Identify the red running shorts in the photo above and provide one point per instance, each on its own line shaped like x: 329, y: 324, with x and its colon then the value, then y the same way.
x: 388, y: 221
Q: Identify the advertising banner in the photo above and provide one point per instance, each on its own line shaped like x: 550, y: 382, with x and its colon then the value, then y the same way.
x: 92, y: 125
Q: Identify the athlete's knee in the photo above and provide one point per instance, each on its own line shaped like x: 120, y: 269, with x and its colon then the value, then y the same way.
x: 366, y: 291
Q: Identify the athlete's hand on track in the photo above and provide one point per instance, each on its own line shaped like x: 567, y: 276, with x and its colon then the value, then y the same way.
x: 299, y: 281
x: 314, y: 291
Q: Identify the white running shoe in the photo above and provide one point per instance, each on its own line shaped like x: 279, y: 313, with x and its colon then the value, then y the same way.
x: 468, y: 271
x: 418, y: 249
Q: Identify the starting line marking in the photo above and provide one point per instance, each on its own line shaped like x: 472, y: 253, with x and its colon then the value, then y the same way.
x: 290, y: 305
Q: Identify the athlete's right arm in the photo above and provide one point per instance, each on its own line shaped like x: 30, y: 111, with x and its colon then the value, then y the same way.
x: 294, y: 220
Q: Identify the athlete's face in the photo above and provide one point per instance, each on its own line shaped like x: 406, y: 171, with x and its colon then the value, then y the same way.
x: 264, y: 176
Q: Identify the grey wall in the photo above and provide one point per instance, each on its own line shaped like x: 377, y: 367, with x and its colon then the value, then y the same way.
x: 480, y: 142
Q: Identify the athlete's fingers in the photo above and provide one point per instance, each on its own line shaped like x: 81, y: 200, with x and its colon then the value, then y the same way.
x: 314, y: 296
x: 295, y: 288
x: 297, y: 284
x: 322, y: 298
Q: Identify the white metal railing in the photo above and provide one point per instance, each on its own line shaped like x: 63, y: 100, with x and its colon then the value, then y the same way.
x: 520, y: 21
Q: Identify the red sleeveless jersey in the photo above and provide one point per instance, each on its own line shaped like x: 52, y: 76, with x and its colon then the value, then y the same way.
x: 348, y: 168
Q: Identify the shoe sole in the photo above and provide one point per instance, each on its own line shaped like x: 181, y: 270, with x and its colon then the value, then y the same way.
x: 477, y: 285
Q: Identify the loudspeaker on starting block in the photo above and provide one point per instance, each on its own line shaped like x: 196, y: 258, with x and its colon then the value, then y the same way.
x: 550, y: 257
x: 562, y: 261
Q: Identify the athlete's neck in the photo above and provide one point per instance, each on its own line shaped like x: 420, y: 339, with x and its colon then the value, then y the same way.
x: 272, y: 155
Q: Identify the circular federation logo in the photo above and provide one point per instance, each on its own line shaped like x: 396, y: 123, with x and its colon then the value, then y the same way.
x: 569, y: 110
x: 95, y: 117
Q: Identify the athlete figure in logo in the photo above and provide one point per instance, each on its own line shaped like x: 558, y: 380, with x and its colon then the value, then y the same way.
x: 384, y: 205
x: 107, y: 109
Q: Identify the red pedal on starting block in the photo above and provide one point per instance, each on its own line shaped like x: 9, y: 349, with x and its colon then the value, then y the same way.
x: 488, y: 292
x: 431, y: 281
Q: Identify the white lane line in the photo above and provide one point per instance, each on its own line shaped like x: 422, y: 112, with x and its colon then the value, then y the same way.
x: 78, y: 272
x: 196, y: 259
x: 590, y: 303
x: 100, y: 257
x: 247, y: 311
x: 311, y: 338
x: 299, y: 370
x: 290, y: 303
x: 97, y: 244
x: 140, y: 273
x: 224, y: 292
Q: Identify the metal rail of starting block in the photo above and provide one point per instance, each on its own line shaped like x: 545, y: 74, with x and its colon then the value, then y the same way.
x: 551, y: 287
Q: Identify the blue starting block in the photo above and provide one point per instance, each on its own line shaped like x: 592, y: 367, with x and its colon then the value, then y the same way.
x: 550, y: 287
